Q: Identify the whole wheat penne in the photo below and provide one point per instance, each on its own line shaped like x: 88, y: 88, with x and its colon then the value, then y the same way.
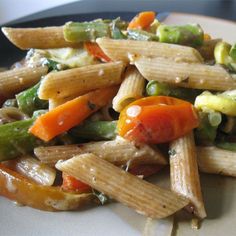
x: 146, y: 198
x: 118, y: 151
x: 41, y: 38
x: 189, y: 75
x: 125, y: 50
x: 131, y: 89
x: 216, y: 161
x: 79, y: 81
x: 14, y: 81
x: 184, y: 172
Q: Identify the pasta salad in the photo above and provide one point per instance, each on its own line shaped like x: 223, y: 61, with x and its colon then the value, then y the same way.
x: 97, y: 107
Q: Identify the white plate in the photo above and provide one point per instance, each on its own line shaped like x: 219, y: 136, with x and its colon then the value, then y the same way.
x: 117, y: 220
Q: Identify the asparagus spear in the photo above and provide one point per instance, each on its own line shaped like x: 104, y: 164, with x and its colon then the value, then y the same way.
x: 28, y: 100
x: 85, y: 31
x: 15, y: 139
x: 191, y: 34
x: 155, y: 88
x: 95, y: 130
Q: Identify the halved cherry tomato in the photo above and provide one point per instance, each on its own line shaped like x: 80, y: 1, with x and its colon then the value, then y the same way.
x: 70, y: 183
x: 17, y: 188
x: 96, y: 51
x: 143, y: 20
x: 157, y: 119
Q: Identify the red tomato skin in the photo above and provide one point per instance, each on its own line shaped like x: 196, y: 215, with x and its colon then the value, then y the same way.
x: 158, y: 123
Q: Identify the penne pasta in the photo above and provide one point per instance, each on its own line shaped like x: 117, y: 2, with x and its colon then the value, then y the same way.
x: 187, y: 75
x: 216, y: 161
x: 78, y: 81
x: 126, y: 50
x: 40, y: 38
x: 131, y: 88
x: 118, y: 151
x: 184, y: 173
x: 146, y: 198
x: 14, y: 81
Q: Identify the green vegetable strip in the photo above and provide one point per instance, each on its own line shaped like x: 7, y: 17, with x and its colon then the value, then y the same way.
x: 95, y: 130
x: 232, y: 52
x: 116, y: 26
x: 28, y: 100
x: 205, y: 134
x: 141, y: 35
x: 155, y: 88
x: 85, y: 31
x: 227, y: 146
x: 15, y: 139
x: 191, y: 34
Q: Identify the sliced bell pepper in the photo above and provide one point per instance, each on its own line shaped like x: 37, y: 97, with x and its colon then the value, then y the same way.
x: 96, y: 51
x: 157, y: 119
x: 15, y: 187
x: 70, y: 183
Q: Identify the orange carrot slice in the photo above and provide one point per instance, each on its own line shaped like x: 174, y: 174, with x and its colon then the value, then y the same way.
x: 71, y: 113
x: 143, y: 20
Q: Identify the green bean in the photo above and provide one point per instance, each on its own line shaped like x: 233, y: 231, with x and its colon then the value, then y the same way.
x: 141, y: 35
x: 28, y: 100
x: 191, y: 34
x: 95, y: 130
x: 85, y: 31
x: 15, y: 140
x: 155, y: 88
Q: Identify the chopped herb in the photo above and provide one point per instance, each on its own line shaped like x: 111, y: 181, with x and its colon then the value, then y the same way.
x: 92, y: 106
x: 101, y: 196
x: 172, y: 152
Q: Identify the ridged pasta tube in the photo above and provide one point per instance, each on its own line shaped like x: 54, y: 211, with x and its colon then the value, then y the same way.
x: 182, y: 74
x: 184, y: 173
x: 145, y: 198
x: 131, y: 88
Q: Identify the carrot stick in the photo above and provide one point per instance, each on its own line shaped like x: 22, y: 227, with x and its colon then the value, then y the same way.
x: 71, y: 113
x: 143, y: 20
x: 96, y: 51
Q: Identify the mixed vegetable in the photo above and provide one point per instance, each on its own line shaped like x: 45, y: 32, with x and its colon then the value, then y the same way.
x: 165, y: 112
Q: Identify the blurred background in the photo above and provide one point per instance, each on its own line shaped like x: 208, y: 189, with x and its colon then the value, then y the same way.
x: 14, y: 9
x: 11, y: 10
